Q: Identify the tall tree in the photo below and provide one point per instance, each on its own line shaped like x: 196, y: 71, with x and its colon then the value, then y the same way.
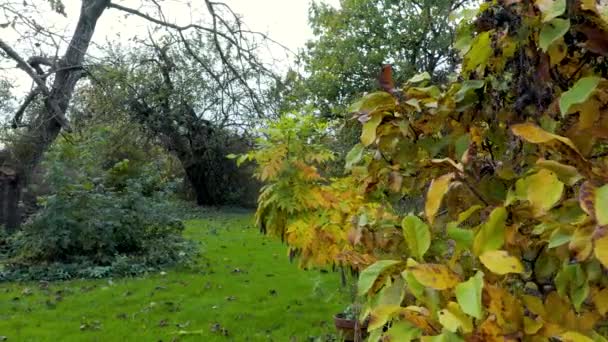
x: 56, y: 77
x: 356, y: 39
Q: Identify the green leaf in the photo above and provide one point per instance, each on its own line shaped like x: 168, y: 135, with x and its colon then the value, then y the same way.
x: 243, y: 158
x: 466, y: 87
x: 566, y: 173
x: 464, y: 39
x: 392, y: 294
x: 403, y: 331
x: 461, y: 144
x: 413, y: 285
x: 552, y: 31
x: 479, y: 53
x: 417, y: 235
x: 468, y: 295
x: 558, y: 238
x: 354, y: 156
x: 369, y: 275
x: 368, y: 134
x: 579, y: 93
x: 491, y: 236
x: 462, y: 237
x: 571, y: 281
x: 551, y: 8
x: 601, y: 205
x: 424, y: 76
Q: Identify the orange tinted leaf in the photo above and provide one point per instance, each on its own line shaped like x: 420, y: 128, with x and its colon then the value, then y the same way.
x: 386, y: 78
x: 586, y: 198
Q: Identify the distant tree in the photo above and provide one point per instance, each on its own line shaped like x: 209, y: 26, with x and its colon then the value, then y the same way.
x: 185, y: 98
x: 354, y: 41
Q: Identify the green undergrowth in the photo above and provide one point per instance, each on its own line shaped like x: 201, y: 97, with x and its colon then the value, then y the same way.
x: 243, y: 289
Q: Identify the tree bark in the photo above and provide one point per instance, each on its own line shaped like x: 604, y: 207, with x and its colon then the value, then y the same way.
x: 26, y: 153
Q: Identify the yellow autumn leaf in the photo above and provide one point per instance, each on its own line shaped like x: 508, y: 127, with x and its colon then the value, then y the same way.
x: 600, y: 299
x: 380, y: 315
x: 543, y: 190
x: 437, y: 189
x: 531, y: 326
x: 601, y: 250
x: 581, y: 243
x: 557, y: 51
x: 500, y: 262
x: 436, y: 276
x: 536, y: 135
x: 368, y: 133
x: 452, y: 318
x: 566, y: 173
x: 601, y: 205
x: 534, y: 305
x: 572, y: 336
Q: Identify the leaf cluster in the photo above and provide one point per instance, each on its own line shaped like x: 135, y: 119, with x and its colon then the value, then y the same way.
x: 511, y: 244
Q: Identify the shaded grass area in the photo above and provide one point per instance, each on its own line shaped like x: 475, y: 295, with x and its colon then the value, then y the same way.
x: 243, y: 289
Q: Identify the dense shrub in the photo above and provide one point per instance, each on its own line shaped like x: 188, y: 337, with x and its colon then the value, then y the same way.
x: 98, y: 219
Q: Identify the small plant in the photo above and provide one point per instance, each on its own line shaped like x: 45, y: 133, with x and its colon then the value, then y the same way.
x: 351, y: 312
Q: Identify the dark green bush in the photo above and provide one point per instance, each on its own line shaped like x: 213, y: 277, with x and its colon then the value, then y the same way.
x: 98, y: 219
x: 93, y: 232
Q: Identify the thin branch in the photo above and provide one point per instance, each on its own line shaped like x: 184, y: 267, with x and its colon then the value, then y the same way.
x: 170, y: 25
x: 28, y: 100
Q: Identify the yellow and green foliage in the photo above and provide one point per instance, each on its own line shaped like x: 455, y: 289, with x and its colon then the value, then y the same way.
x: 515, y: 153
x: 324, y: 221
x: 512, y: 244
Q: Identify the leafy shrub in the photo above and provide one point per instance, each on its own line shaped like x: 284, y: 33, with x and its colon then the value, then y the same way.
x: 514, y: 151
x: 95, y: 232
x: 315, y: 214
x: 98, y: 221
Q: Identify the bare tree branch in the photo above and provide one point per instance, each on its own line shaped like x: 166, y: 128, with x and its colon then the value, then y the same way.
x: 23, y: 65
x: 28, y: 100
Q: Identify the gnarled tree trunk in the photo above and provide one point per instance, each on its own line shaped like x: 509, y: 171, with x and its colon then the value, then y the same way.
x: 24, y: 154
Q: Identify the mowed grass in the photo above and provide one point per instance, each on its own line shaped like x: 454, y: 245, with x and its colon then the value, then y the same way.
x: 244, y: 289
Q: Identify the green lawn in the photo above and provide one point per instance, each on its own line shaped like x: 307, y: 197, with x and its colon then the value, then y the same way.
x: 245, y: 289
